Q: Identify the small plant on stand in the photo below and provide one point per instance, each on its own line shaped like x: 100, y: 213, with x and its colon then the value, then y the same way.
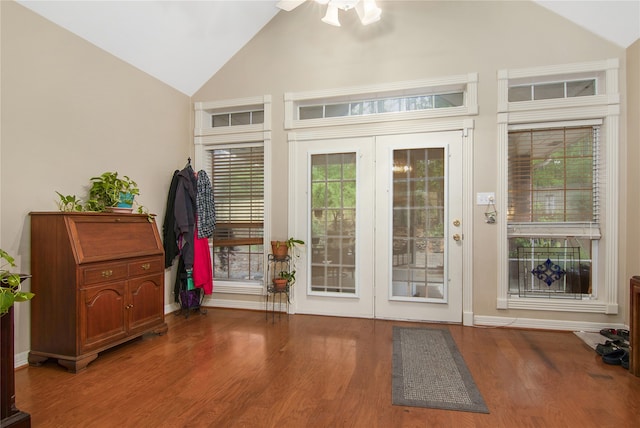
x: 280, y: 249
x: 289, y: 276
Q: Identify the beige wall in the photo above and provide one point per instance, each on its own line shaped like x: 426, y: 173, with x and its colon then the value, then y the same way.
x: 415, y: 39
x: 71, y: 111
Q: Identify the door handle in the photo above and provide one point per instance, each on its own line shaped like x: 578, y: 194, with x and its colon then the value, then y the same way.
x: 457, y: 237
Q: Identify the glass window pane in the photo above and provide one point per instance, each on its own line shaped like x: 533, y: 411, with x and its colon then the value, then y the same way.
x: 243, y: 118
x: 333, y: 223
x: 420, y: 103
x: 550, y: 267
x: 448, y: 100
x: 547, y: 91
x: 311, y: 112
x: 551, y: 175
x: 389, y: 105
x: 257, y: 117
x: 218, y: 120
x: 520, y: 93
x: 337, y: 110
x: 418, y: 224
x: 581, y: 88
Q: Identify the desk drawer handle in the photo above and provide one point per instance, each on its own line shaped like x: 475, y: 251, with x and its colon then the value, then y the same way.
x: 107, y: 273
x: 146, y: 266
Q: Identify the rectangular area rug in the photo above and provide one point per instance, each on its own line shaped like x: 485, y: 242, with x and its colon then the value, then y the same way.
x: 428, y: 371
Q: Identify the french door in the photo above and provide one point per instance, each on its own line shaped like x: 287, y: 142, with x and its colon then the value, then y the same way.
x: 382, y: 218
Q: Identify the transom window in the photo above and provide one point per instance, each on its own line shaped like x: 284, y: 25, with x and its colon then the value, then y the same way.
x: 546, y: 91
x: 380, y: 106
x: 237, y: 118
x: 387, y: 102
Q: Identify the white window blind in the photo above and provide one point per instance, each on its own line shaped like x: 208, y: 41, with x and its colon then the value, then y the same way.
x: 238, y: 189
x: 553, y: 175
x: 237, y: 180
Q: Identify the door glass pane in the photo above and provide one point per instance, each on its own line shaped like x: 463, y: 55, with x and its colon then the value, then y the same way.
x: 418, y: 224
x: 333, y: 223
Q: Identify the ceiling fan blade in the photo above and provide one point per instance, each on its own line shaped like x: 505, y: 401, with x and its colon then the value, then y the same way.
x: 289, y: 5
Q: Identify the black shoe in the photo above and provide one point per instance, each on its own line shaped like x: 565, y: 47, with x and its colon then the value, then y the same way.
x: 606, y: 348
x: 615, y: 358
x: 612, y: 333
x: 624, y: 361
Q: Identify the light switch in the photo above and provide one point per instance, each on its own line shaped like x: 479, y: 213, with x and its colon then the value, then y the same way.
x: 485, y: 198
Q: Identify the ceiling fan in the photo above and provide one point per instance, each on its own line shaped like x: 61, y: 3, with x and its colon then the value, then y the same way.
x: 367, y: 10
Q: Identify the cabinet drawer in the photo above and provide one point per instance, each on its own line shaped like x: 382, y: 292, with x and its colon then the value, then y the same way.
x: 143, y: 267
x: 104, y: 273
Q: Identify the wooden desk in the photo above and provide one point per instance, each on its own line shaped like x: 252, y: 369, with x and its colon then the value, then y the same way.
x: 99, y: 279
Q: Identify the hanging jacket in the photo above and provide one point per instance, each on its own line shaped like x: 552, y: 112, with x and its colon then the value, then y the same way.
x: 185, y: 214
x: 205, y: 204
x: 169, y: 239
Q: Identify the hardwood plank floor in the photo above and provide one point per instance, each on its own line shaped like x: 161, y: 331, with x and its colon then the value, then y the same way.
x: 233, y: 368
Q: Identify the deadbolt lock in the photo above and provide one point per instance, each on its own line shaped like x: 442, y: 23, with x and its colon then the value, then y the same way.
x: 456, y: 222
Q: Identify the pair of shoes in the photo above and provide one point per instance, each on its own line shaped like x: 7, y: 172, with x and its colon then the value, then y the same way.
x: 618, y: 342
x: 616, y: 357
x: 615, y: 334
x: 606, y: 348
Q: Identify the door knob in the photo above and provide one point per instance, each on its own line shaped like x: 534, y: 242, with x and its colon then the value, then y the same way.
x: 457, y: 237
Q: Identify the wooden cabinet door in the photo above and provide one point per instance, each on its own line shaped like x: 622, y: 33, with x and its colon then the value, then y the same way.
x: 102, y: 315
x: 145, y: 302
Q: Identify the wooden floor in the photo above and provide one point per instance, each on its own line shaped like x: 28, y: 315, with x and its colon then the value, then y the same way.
x: 233, y: 368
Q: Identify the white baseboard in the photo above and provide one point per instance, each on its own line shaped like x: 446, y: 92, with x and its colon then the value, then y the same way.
x: 542, y: 324
x: 209, y: 302
x: 21, y: 359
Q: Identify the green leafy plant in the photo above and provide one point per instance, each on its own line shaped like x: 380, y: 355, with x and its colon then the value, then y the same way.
x: 69, y: 203
x: 10, y: 284
x: 109, y: 189
x: 290, y: 243
x: 290, y: 276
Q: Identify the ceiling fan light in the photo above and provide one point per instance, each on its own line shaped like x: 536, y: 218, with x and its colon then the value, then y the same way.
x: 368, y: 12
x: 331, y: 16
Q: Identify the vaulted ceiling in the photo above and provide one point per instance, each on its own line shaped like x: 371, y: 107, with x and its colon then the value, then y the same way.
x: 184, y: 43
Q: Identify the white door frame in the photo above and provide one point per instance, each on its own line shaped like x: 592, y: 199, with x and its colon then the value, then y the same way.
x: 394, y: 128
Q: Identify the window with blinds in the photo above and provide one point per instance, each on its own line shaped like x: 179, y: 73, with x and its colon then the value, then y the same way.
x: 552, y: 174
x: 237, y: 179
x: 553, y: 208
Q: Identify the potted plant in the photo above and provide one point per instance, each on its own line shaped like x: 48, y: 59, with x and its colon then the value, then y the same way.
x: 284, y: 279
x: 280, y: 249
x: 10, y: 291
x: 110, y: 192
